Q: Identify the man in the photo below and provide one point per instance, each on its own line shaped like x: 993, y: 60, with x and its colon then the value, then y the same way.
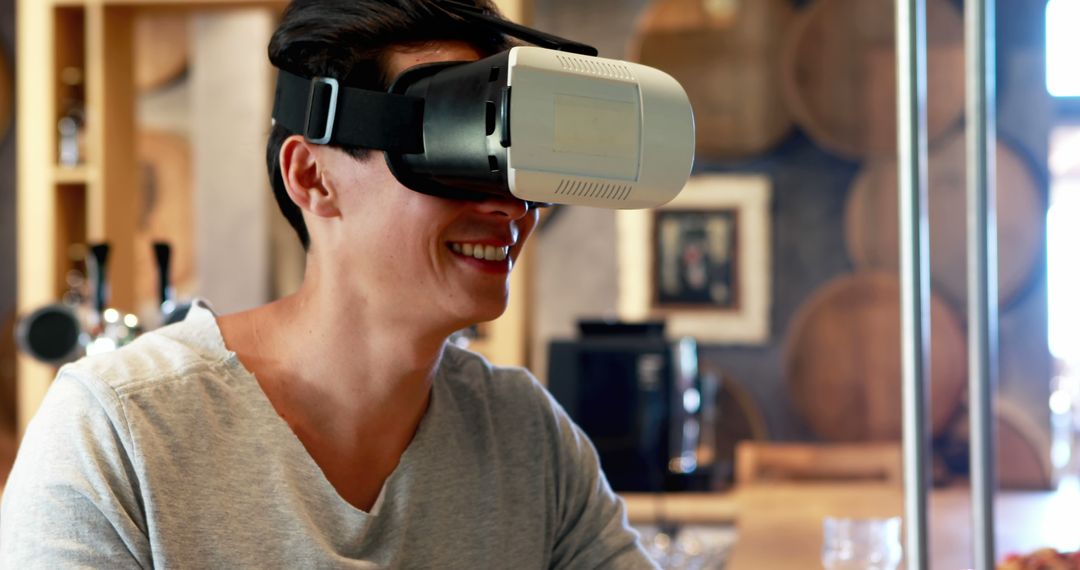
x: 334, y: 428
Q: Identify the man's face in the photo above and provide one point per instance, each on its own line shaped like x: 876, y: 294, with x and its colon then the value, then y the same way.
x: 419, y: 256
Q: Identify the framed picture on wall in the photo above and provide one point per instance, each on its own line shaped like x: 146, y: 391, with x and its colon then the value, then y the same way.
x: 702, y: 261
x: 695, y: 259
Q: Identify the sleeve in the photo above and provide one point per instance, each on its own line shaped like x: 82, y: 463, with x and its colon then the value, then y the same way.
x: 71, y: 500
x: 592, y: 530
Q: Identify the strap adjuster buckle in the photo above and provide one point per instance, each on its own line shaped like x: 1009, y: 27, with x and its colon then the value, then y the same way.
x: 321, y: 109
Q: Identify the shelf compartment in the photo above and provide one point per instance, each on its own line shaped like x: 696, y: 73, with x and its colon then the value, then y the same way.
x: 69, y: 73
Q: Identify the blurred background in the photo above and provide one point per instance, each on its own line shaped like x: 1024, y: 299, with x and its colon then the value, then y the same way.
x: 746, y: 334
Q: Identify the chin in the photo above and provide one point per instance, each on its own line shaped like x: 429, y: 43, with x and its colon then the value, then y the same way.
x: 489, y: 314
x: 467, y: 306
x: 482, y: 312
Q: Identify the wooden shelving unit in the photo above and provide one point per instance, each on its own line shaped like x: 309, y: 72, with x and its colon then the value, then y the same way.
x: 98, y: 200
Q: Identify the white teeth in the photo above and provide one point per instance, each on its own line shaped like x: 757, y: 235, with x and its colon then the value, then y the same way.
x: 481, y: 251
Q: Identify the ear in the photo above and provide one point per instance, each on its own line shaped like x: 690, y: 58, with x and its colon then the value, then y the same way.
x: 304, y: 178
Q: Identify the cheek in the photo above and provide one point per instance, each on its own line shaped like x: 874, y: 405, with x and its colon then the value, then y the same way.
x: 408, y: 228
x: 528, y: 224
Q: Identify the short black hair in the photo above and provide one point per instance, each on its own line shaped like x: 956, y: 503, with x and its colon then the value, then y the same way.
x: 348, y: 40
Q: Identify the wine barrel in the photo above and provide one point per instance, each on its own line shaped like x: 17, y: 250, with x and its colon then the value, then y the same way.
x: 842, y: 360
x: 161, y: 48
x: 1023, y: 443
x: 1023, y: 449
x: 839, y: 73
x: 871, y: 227
x: 737, y: 417
x: 726, y: 54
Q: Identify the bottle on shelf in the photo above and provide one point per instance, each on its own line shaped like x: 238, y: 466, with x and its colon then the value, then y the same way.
x: 72, y: 123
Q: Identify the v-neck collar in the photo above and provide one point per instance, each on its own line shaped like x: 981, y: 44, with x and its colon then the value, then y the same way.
x: 208, y: 339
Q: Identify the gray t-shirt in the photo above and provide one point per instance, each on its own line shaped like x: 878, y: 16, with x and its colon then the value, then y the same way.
x: 168, y: 454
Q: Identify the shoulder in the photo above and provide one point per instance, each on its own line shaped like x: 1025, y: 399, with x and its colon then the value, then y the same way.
x: 505, y: 393
x: 470, y: 370
x: 155, y: 358
x: 514, y: 404
x: 154, y: 379
x: 519, y: 404
x: 471, y: 373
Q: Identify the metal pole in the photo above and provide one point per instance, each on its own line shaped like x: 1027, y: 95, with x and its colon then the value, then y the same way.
x: 982, y: 269
x: 914, y: 270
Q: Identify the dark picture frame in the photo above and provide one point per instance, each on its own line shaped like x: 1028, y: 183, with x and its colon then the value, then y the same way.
x: 696, y: 259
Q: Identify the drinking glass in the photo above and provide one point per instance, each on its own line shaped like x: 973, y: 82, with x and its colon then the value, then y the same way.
x: 861, y: 544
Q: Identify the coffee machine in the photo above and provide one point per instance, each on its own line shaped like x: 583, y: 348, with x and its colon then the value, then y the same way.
x: 642, y: 400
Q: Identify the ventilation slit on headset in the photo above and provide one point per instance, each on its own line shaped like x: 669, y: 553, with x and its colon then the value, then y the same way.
x: 585, y: 189
x: 489, y: 117
x: 592, y: 189
x: 493, y: 163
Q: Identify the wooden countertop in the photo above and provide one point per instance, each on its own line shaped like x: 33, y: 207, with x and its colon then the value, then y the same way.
x: 687, y: 508
x: 779, y: 525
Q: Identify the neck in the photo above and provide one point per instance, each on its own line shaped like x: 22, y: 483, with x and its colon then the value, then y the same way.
x: 351, y: 376
x: 336, y: 365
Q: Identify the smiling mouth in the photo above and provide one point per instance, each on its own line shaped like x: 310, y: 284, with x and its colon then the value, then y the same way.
x: 481, y: 251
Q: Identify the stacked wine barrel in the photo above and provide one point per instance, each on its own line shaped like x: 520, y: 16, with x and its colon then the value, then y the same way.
x: 727, y: 57
x: 756, y: 71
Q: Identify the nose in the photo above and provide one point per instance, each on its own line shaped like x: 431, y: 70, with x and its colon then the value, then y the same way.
x: 503, y: 206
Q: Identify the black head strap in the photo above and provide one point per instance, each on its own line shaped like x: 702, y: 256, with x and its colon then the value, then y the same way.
x: 325, y: 112
x: 472, y: 13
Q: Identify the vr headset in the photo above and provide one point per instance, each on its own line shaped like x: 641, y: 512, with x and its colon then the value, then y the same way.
x: 548, y: 123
